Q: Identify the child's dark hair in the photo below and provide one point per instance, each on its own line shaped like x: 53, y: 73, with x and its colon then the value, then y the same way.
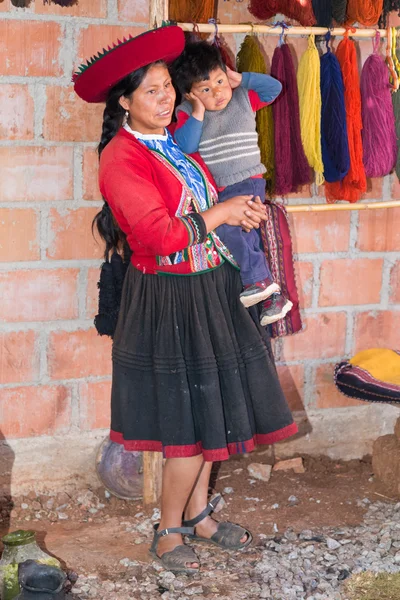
x: 195, y: 64
x: 113, y: 118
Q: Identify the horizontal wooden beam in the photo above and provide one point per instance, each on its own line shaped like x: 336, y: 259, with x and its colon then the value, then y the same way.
x: 347, y: 206
x: 268, y: 30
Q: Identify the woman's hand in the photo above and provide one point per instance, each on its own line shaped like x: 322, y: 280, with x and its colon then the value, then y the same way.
x: 234, y: 78
x: 245, y: 211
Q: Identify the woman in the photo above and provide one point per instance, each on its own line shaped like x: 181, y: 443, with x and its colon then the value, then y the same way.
x: 192, y: 375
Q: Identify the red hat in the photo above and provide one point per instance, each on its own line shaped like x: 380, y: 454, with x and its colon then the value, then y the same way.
x: 96, y: 77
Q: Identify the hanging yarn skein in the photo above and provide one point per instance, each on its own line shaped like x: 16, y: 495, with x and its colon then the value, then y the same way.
x: 335, y: 147
x: 396, y: 110
x: 323, y: 12
x: 219, y: 43
x: 293, y: 9
x: 339, y: 10
x: 308, y: 81
x: 291, y: 166
x: 192, y: 11
x: 379, y: 133
x: 250, y: 59
x: 366, y: 12
x: 354, y: 183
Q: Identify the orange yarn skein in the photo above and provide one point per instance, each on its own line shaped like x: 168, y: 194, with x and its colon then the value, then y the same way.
x: 366, y: 12
x: 354, y: 183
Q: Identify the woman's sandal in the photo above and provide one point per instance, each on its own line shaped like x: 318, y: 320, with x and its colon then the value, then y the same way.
x: 175, y: 560
x: 227, y: 536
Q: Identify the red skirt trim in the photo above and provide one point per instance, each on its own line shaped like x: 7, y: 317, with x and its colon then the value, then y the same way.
x: 196, y: 449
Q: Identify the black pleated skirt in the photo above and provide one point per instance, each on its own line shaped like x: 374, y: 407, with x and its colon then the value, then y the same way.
x: 193, y: 371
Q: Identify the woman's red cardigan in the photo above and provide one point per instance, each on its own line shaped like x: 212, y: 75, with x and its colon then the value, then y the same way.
x: 148, y: 201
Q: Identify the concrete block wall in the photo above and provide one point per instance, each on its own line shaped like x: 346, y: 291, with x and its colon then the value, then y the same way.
x: 54, y: 369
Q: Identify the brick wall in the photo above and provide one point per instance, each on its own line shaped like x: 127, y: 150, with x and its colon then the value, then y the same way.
x: 54, y: 369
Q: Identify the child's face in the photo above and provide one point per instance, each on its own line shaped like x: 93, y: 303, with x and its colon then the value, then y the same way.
x: 215, y: 92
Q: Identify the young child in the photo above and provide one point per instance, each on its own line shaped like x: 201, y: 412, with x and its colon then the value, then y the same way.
x: 217, y: 119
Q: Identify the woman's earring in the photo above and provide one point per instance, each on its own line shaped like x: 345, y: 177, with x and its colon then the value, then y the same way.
x: 126, y: 117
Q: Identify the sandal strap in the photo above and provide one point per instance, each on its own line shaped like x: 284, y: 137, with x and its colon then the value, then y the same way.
x: 167, y: 531
x: 208, y: 510
x: 182, y: 530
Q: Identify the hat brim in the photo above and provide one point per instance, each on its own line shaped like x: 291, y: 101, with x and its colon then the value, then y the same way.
x: 103, y: 71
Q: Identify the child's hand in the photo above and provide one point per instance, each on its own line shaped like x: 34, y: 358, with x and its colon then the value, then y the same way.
x: 197, y: 106
x: 234, y: 78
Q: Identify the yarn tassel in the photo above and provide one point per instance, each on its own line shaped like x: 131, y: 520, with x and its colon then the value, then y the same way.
x: 293, y: 9
x: 251, y: 59
x: 379, y: 133
x: 339, y: 11
x: 21, y: 3
x: 291, y: 167
x: 224, y: 50
x: 308, y: 81
x: 335, y: 147
x: 365, y: 12
x: 396, y: 110
x: 323, y: 12
x: 354, y: 183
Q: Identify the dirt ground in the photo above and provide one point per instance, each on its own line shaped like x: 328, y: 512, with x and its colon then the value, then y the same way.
x: 329, y: 493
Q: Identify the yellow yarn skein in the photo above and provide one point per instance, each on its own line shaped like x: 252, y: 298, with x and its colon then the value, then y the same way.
x: 308, y: 83
x: 250, y: 59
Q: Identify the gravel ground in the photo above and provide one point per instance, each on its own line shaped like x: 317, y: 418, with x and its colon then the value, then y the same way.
x: 310, y: 565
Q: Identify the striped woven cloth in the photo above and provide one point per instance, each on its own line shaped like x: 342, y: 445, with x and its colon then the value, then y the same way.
x: 371, y: 375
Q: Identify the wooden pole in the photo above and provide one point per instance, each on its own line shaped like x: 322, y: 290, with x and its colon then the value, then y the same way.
x: 153, y: 461
x: 158, y: 12
x: 152, y: 476
x: 337, y: 207
x: 267, y: 29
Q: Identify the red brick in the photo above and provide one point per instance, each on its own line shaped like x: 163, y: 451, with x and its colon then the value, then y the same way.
x: 320, y: 232
x: 71, y: 235
x: 33, y: 174
x: 83, y: 8
x: 39, y: 295
x: 327, y: 394
x: 19, y: 361
x: 90, y: 175
x: 350, y: 281
x: 374, y: 189
x: 34, y: 410
x: 377, y: 329
x: 93, y: 38
x: 37, y: 56
x: 136, y: 12
x: 70, y: 119
x: 305, y: 280
x: 324, y: 337
x: 234, y: 12
x: 92, y: 293
x: 379, y: 230
x: 395, y: 284
x: 75, y: 354
x: 16, y: 115
x: 95, y: 405
x: 18, y: 234
x: 292, y: 382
